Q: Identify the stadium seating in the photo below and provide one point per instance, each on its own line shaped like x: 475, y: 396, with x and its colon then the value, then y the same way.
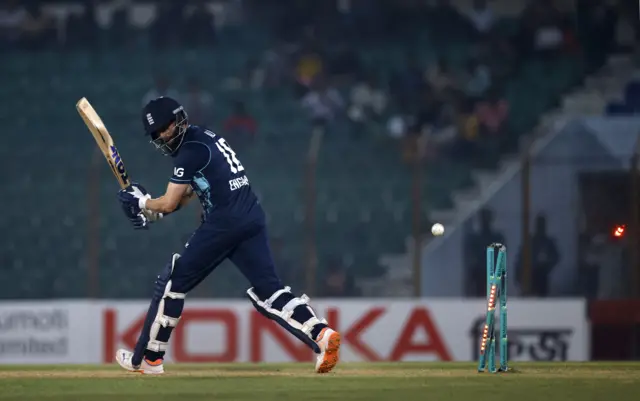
x: 62, y: 196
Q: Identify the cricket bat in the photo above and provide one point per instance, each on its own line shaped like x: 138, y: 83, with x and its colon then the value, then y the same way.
x: 104, y: 140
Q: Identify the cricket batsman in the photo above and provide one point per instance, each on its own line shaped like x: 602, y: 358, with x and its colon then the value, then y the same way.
x: 233, y: 227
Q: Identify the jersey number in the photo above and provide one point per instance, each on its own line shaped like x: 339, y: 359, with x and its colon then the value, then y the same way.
x: 230, y: 155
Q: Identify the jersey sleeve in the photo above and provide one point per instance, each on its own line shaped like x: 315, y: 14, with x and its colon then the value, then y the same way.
x: 191, y: 158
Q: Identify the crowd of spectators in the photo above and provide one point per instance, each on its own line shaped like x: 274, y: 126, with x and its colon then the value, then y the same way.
x: 434, y: 109
x: 452, y: 109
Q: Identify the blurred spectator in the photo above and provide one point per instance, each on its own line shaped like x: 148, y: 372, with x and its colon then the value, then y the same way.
x: 120, y: 30
x: 414, y: 146
x: 440, y: 78
x: 169, y: 22
x: 444, y: 134
x: 369, y: 98
x: 14, y: 22
x: 430, y: 113
x: 590, y: 264
x: 498, y: 53
x: 199, y: 25
x: 481, y: 16
x: 338, y: 282
x: 478, y: 79
x: 544, y: 258
x: 252, y: 76
x: 628, y: 26
x: 199, y: 103
x: 468, y: 128
x: 240, y: 126
x: 162, y: 88
x: 492, y: 114
x: 324, y: 103
x: 427, y: 133
x: 308, y: 67
x: 40, y: 29
x: 82, y: 28
x: 276, y: 66
x: 357, y: 122
x: 400, y: 119
x: 397, y: 125
x: 544, y: 29
x: 409, y: 82
x: 486, y: 234
x: 598, y: 20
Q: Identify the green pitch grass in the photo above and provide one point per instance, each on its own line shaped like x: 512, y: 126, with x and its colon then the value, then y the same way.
x: 350, y: 381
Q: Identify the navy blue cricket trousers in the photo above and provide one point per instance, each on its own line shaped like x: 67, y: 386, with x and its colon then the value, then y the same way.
x: 246, y: 246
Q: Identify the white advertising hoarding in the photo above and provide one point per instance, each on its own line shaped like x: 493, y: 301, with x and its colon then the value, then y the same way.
x: 232, y: 331
x: 48, y: 332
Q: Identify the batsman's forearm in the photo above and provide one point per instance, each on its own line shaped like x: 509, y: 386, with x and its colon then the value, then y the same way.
x: 164, y: 205
x: 158, y: 205
x: 186, y: 199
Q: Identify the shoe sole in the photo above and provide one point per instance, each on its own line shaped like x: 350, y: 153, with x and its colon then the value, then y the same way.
x: 141, y: 371
x: 331, y: 354
x: 127, y: 369
x: 151, y: 372
x: 148, y: 372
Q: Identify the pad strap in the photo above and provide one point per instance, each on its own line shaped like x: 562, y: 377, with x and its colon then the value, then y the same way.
x: 288, y: 310
x: 162, y: 320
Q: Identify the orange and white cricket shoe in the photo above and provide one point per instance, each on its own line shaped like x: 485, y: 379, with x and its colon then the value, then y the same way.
x: 123, y: 357
x: 329, y: 342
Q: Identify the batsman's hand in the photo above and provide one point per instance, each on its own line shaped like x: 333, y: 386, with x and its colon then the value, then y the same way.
x: 133, y: 194
x: 152, y: 216
x: 139, y: 219
x: 130, y: 198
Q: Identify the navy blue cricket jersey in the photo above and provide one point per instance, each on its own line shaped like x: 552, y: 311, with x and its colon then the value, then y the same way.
x: 207, y: 163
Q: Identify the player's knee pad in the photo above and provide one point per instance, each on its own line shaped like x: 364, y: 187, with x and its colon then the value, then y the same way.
x: 170, y: 307
x: 291, y: 312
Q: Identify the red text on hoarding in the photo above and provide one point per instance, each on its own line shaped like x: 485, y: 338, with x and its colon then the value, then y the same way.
x: 259, y: 329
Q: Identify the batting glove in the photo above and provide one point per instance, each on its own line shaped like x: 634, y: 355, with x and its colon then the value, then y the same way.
x: 152, y: 216
x: 131, y: 198
x: 135, y: 195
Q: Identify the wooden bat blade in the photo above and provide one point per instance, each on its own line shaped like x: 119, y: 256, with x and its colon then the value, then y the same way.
x: 102, y: 137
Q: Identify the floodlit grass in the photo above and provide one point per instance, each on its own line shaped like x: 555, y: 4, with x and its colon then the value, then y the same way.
x: 350, y: 381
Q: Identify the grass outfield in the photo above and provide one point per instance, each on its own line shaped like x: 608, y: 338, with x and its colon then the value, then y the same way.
x: 350, y: 381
